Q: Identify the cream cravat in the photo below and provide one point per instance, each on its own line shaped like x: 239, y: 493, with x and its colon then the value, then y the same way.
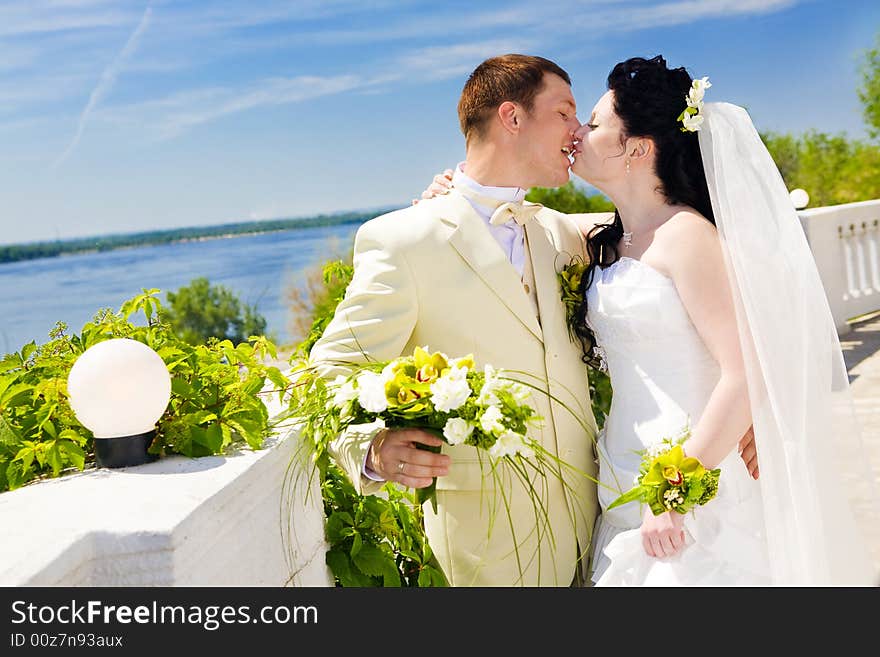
x: 521, y: 213
x: 504, y: 211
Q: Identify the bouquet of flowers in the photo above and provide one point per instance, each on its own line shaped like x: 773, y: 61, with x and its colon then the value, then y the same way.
x: 487, y: 409
x: 670, y: 481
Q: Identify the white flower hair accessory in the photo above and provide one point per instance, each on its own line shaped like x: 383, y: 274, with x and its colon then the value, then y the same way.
x: 692, y: 116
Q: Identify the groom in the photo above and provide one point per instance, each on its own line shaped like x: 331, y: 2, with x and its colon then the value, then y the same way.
x: 452, y: 274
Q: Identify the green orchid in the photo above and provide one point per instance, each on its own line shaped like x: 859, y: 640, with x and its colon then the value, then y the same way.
x: 404, y: 391
x: 429, y: 367
x: 673, y: 467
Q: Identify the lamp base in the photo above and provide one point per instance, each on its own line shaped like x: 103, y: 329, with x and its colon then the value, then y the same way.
x: 124, y: 451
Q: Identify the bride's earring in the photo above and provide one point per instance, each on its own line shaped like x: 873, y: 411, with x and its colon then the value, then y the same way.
x: 627, y: 165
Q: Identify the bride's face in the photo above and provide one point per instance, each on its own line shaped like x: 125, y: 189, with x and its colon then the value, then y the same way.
x: 599, y: 151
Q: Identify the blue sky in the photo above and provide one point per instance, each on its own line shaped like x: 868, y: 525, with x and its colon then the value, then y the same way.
x: 124, y: 115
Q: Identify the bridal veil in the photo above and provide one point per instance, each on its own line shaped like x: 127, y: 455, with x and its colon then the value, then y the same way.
x: 806, y: 431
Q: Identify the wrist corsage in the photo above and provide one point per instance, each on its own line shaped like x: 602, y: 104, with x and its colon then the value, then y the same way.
x: 670, y: 481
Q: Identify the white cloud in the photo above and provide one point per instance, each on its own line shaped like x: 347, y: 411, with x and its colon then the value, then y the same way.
x: 173, y: 115
x: 34, y: 17
x: 645, y: 15
x: 441, y: 62
x: 105, y: 84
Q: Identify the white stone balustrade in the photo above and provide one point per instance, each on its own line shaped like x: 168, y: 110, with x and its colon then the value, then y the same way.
x: 844, y: 241
x: 210, y: 521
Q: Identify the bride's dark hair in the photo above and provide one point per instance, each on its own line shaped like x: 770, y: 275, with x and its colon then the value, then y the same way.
x: 648, y: 98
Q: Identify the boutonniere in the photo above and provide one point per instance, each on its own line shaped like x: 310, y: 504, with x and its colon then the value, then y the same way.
x: 570, y: 277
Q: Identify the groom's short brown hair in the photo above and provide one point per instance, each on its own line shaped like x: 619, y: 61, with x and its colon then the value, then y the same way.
x: 517, y: 78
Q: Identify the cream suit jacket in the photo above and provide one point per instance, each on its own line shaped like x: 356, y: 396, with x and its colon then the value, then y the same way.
x: 431, y: 275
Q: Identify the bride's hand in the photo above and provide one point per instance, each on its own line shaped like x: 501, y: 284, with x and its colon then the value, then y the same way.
x: 441, y: 184
x: 749, y: 452
x: 663, y: 535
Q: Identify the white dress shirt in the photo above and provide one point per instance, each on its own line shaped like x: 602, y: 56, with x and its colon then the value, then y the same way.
x: 510, y: 236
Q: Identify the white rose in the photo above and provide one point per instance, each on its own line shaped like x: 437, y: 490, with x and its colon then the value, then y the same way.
x: 457, y: 430
x: 450, y: 391
x: 490, y: 421
x: 521, y: 394
x: 510, y: 443
x: 371, y: 392
x: 692, y: 122
x: 697, y: 91
x: 345, y: 390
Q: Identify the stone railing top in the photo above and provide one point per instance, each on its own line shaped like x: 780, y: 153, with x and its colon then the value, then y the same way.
x: 844, y: 207
x: 175, y: 521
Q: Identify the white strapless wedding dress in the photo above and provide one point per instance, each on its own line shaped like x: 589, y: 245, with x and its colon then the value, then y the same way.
x: 662, y: 376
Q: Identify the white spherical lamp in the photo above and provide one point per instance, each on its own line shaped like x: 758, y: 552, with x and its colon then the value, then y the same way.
x: 799, y: 198
x: 119, y: 389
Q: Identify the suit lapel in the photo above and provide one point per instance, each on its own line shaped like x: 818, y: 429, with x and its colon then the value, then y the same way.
x: 544, y: 256
x: 475, y: 244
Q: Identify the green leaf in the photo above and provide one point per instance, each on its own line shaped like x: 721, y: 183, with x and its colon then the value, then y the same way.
x: 49, y: 429
x: 181, y: 387
x: 54, y: 458
x: 438, y: 578
x: 9, y: 435
x: 631, y: 495
x: 340, y: 566
x: 280, y: 381
x: 6, y: 381
x: 10, y: 362
x: 214, y: 438
x: 73, y: 436
x: 391, y: 575
x: 199, y: 417
x: 27, y: 350
x: 17, y: 475
x: 197, y: 444
x: 356, y: 545
x: 26, y: 455
x: 73, y: 452
x: 372, y: 560
x: 13, y: 393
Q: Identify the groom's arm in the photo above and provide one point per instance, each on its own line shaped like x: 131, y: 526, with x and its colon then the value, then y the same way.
x: 586, y: 221
x: 374, y: 321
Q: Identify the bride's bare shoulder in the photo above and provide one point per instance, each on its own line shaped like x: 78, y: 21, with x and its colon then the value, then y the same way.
x: 585, y: 221
x: 690, y: 226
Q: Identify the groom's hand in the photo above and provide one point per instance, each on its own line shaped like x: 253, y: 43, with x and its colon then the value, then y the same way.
x: 395, y: 457
x: 749, y: 452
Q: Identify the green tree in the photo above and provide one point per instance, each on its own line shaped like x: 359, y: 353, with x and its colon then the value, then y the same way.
x: 201, y: 311
x: 569, y: 199
x: 869, y: 92
x: 832, y: 168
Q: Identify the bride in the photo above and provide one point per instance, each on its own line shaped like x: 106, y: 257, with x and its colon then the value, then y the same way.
x: 703, y: 302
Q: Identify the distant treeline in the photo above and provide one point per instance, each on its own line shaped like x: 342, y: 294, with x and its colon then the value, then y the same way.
x: 15, y: 252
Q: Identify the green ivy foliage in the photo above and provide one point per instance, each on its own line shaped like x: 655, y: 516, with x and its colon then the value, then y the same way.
x: 215, y: 399
x: 376, y: 540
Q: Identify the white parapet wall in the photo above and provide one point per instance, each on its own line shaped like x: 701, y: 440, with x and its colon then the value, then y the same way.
x: 210, y: 521
x: 845, y: 241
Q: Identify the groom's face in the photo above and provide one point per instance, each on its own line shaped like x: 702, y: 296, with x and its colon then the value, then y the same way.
x: 546, y: 135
